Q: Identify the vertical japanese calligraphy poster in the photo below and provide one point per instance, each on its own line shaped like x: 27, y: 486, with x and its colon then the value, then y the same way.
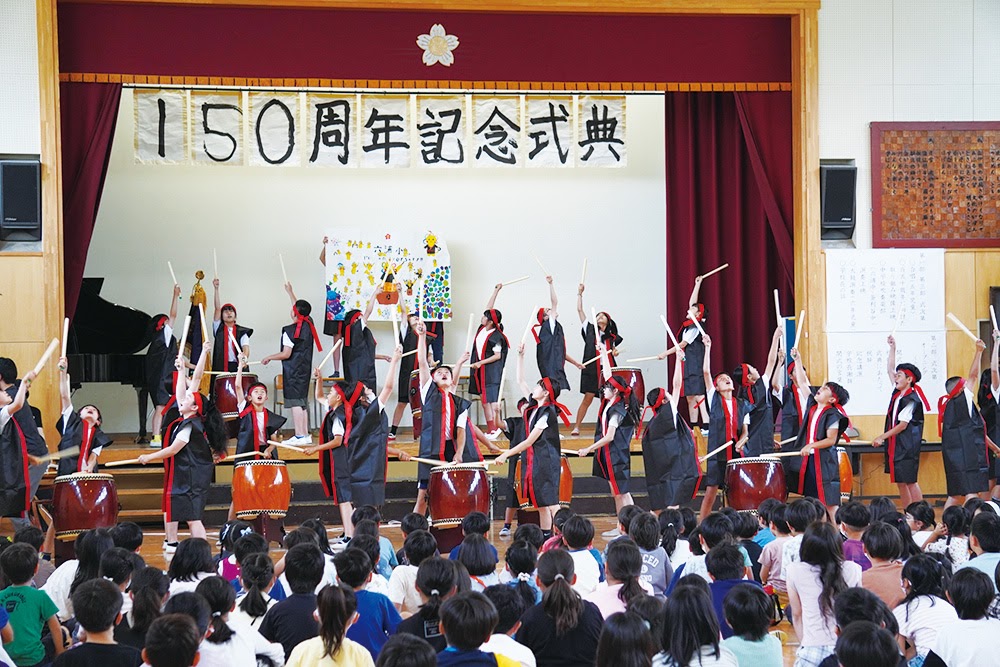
x: 601, y: 135
x: 274, y: 131
x: 360, y: 262
x: 866, y: 291
x: 442, y: 123
x: 217, y: 122
x: 385, y: 131
x: 160, y: 126
x: 549, y: 131
x: 331, y: 124
x: 497, y: 130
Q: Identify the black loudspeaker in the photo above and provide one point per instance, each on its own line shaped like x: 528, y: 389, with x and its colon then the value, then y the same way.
x: 837, y: 184
x: 20, y: 199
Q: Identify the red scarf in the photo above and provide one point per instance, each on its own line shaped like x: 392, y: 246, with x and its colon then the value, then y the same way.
x: 348, y: 325
x: 894, y: 401
x: 85, y: 445
x: 305, y: 319
x: 259, y: 438
x: 943, y: 403
x: 448, y: 416
x: 561, y: 409
x: 745, y: 381
x: 698, y: 316
x: 535, y: 329
x: 661, y: 396
x: 230, y: 337
x: 731, y: 417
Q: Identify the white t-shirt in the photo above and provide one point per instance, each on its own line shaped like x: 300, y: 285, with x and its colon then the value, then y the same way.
x: 403, y: 588
x: 790, y: 552
x: 168, y: 333
x: 329, y: 576
x: 178, y: 586
x: 968, y: 643
x: 239, y: 616
x: 378, y: 584
x: 258, y: 421
x: 613, y: 421
x: 96, y: 451
x: 588, y: 573
x: 463, y: 417
x: 505, y: 645
x: 710, y: 392
x: 57, y: 588
x: 818, y: 629
x: 690, y: 335
x: 244, y: 341
x: 285, y: 340
x: 921, y: 620
x: 681, y: 555
x: 4, y: 416
x: 481, y: 339
x: 241, y: 649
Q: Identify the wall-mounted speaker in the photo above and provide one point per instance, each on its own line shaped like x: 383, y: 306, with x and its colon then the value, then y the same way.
x: 20, y: 199
x: 837, y: 188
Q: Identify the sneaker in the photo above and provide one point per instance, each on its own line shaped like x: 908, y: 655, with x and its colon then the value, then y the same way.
x: 392, y: 436
x: 704, y: 432
x: 494, y: 435
x: 611, y: 534
x: 505, y: 531
x: 575, y: 431
x: 156, y: 443
x: 299, y: 440
x: 169, y: 547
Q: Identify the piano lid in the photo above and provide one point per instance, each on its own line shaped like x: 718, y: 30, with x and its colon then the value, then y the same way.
x: 102, y: 327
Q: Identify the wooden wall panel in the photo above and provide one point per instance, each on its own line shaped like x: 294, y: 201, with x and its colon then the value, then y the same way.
x: 22, y: 298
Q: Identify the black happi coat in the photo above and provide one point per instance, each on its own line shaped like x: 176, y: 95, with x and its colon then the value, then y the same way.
x: 358, y: 352
x: 791, y: 411
x: 988, y: 409
x: 694, y: 360
x: 613, y: 461
x: 434, y: 443
x: 77, y: 434
x: 963, y: 447
x: 368, y: 456
x: 296, y: 370
x: 334, y: 464
x: 760, y: 432
x: 718, y: 433
x: 435, y: 338
x: 590, y: 375
x: 551, y: 354
x: 485, y: 380
x: 248, y: 437
x: 818, y: 476
x: 902, y: 451
x: 542, y: 463
x: 671, y: 460
x: 221, y: 347
x: 15, y: 487
x: 159, y: 365
x: 515, y: 434
x: 407, y: 365
x: 187, y: 475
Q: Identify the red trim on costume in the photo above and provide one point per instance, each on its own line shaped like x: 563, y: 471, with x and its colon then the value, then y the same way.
x: 300, y: 319
x: 85, y: 444
x: 24, y: 467
x: 700, y: 315
x: 891, y: 443
x: 606, y: 449
x: 943, y: 403
x: 732, y: 429
x: 257, y: 439
x: 168, y: 472
x: 660, y: 398
x: 745, y: 381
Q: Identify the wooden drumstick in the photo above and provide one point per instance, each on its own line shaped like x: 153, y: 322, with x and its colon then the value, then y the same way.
x: 540, y: 265
x: 958, y: 323
x: 569, y: 452
x: 515, y: 280
x: 993, y: 318
x: 45, y: 355
x: 655, y: 357
x: 777, y: 309
x: 65, y: 340
x: 583, y: 276
x: 722, y: 447
x: 204, y: 325
x: 281, y: 444
x: 590, y: 361
x: 670, y: 333
x: 714, y: 271
x: 786, y: 441
x: 895, y: 322
x: 236, y: 346
x: 532, y: 320
x: 406, y: 354
x: 184, y: 335
x: 123, y: 462
x: 284, y: 274
x: 215, y: 260
x: 468, y: 333
x: 329, y: 354
x: 697, y: 324
x: 395, y: 325
x: 172, y: 274
x: 55, y: 456
x: 798, y: 328
x: 429, y: 462
x: 244, y: 455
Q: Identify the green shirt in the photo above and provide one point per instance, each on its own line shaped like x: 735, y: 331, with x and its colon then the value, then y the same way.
x: 29, y: 610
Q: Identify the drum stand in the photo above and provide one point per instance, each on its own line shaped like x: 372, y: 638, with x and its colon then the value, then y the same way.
x: 272, y: 529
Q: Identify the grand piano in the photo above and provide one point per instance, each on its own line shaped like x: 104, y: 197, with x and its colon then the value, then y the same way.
x: 106, y: 341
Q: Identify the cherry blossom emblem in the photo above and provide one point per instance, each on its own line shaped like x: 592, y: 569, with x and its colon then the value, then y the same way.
x: 438, y: 46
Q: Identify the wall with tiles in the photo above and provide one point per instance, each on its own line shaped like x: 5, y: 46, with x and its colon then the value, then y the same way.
x: 19, y: 110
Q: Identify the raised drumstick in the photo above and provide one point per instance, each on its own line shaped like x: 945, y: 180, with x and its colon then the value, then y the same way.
x: 204, y: 326
x: 184, y: 335
x: 215, y: 261
x: 798, y: 328
x: 697, y: 324
x: 777, y: 309
x: 515, y: 280
x: 283, y: 273
x: 958, y: 323
x: 714, y: 271
x: 65, y: 340
x: 722, y: 447
x: 540, y: 265
x: 993, y: 319
x: 670, y: 333
x: 583, y: 276
x: 329, y: 354
x: 652, y: 358
x: 45, y: 355
x: 172, y: 274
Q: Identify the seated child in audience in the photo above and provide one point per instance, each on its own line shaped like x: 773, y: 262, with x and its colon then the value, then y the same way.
x: 468, y: 620
x: 318, y: 528
x: 578, y: 533
x: 625, y: 640
x: 690, y: 633
x: 854, y: 519
x: 883, y: 547
x: 971, y: 640
x: 403, y: 650
x: 337, y: 607
x: 377, y: 617
x: 770, y: 556
x: 228, y: 564
x: 370, y: 545
x: 478, y: 557
x: 531, y: 534
x: 715, y: 530
x: 521, y: 564
x: 385, y: 545
x: 256, y: 580
x: 748, y: 610
x: 859, y: 604
x: 510, y: 606
x: 116, y: 567
x: 88, y: 547
x: 799, y: 514
x: 864, y: 644
x: 193, y: 605
x: 36, y: 538
x: 418, y: 547
x: 764, y: 534
x: 650, y: 609
x: 558, y: 520
x: 304, y: 535
x: 726, y: 569
x: 230, y: 643
x: 147, y: 593
x: 950, y: 536
x: 984, y: 541
x: 254, y: 544
x: 190, y: 564
x: 474, y: 523
x: 291, y: 621
x: 676, y: 546
x: 623, y: 570
x: 172, y: 641
x: 435, y: 582
x: 127, y: 535
x: 97, y: 604
x: 924, y: 610
x: 370, y: 529
x: 921, y: 520
x: 746, y: 528
x: 625, y: 516
x: 656, y: 570
x: 407, y: 525
x: 30, y: 610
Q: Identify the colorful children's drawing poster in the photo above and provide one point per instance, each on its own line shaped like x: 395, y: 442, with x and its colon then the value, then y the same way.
x: 410, y: 268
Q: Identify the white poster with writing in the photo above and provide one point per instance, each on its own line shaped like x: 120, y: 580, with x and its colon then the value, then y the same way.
x: 160, y: 126
x: 601, y: 131
x: 217, y: 127
x: 442, y: 123
x: 331, y: 130
x: 496, y: 127
x: 549, y: 130
x: 274, y: 135
x: 385, y: 131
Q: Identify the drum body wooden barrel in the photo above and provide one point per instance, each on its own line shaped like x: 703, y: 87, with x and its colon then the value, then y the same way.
x: 225, y: 393
x: 633, y: 378
x: 749, y: 481
x: 261, y: 487
x: 83, y: 501
x: 454, y: 491
x: 846, y: 474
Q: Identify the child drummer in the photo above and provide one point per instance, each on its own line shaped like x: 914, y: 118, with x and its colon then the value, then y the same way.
x: 489, y: 356
x: 225, y: 329
x: 756, y: 390
x: 550, y: 341
x: 78, y: 429
x: 15, y: 485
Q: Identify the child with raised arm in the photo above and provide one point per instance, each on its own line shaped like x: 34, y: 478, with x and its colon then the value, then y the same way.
x: 591, y: 371
x: 756, y: 390
x: 964, y: 440
x: 78, y: 429
x: 904, y: 427
x: 195, y: 440
x: 225, y: 356
x: 673, y: 472
x: 367, y: 455
x: 550, y: 343
x: 159, y: 363
x: 297, y: 340
x: 408, y: 339
x: 542, y: 463
x: 15, y: 485
x: 728, y: 419
x: 489, y: 356
x: 613, y: 436
x: 359, y: 345
x: 694, y: 349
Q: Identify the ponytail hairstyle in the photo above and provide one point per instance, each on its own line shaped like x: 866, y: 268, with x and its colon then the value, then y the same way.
x: 625, y: 565
x: 898, y: 521
x: 256, y: 575
x: 221, y: 597
x: 822, y: 546
x: 90, y: 546
x: 671, y: 524
x: 149, y: 588
x: 317, y: 526
x: 556, y: 573
x: 231, y: 532
x: 436, y: 580
x: 927, y: 577
x: 521, y: 561
x: 629, y: 400
x: 336, y: 606
x: 956, y: 520
x: 215, y: 428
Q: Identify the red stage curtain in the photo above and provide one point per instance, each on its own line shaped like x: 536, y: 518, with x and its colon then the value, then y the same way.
x: 88, y: 113
x: 729, y: 199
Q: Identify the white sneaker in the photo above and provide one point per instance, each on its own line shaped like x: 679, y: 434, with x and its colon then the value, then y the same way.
x: 169, y: 547
x: 504, y: 532
x: 495, y: 435
x: 612, y: 533
x: 299, y: 440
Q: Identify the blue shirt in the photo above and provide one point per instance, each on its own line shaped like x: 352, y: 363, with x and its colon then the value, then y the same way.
x: 719, y: 589
x: 377, y: 619
x: 387, y: 560
x: 987, y: 563
x: 764, y: 536
x: 532, y: 584
x: 452, y: 657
